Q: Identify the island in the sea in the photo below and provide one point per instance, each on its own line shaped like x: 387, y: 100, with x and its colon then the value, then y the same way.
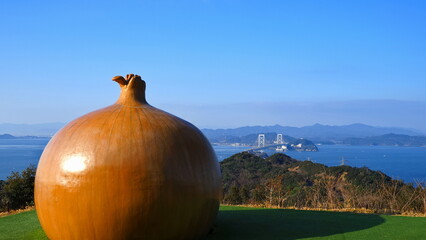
x: 391, y: 139
x: 9, y: 136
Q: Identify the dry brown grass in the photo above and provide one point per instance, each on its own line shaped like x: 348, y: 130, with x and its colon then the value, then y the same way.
x: 3, y: 214
x: 353, y: 210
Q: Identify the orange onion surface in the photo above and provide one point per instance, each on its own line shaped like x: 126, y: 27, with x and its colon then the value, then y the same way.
x: 128, y: 171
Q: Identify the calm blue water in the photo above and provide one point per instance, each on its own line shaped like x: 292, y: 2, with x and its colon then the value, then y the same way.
x: 407, y: 163
x: 18, y: 154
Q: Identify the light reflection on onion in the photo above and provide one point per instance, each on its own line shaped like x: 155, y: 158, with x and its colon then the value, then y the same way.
x: 74, y: 163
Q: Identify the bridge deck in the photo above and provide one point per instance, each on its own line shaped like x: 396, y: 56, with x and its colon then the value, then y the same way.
x: 265, y: 147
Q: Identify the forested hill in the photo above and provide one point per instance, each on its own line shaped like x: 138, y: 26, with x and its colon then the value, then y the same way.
x: 282, y: 181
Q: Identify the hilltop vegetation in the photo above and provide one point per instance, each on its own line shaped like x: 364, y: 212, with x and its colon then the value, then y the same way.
x: 17, y: 191
x: 282, y: 181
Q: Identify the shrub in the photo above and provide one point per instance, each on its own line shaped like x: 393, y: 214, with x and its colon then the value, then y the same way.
x: 18, y: 190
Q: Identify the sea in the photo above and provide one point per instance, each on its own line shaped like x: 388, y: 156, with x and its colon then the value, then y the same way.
x: 405, y: 163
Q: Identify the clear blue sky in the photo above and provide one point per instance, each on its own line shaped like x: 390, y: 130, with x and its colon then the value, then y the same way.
x: 57, y: 59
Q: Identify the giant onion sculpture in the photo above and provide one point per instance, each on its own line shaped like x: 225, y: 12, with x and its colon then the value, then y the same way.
x: 127, y: 171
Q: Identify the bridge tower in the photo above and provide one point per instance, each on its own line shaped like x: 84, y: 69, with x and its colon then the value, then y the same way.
x: 261, y: 140
x: 280, y: 138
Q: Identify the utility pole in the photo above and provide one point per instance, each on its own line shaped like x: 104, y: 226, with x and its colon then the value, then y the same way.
x: 342, y: 162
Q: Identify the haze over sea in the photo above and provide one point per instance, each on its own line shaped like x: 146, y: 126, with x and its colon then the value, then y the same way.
x: 406, y: 163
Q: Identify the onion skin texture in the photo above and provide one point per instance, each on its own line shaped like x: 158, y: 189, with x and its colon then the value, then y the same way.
x: 128, y: 171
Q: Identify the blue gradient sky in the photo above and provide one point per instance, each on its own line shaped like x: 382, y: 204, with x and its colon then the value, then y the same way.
x: 218, y: 63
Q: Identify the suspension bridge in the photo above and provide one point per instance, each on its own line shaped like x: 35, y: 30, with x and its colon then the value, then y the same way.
x: 261, y: 143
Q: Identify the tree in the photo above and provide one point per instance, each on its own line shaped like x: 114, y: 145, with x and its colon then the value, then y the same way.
x: 233, y: 196
x: 244, y: 195
x: 18, y: 190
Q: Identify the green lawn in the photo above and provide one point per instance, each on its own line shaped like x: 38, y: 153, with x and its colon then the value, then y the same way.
x: 257, y: 223
x: 21, y: 226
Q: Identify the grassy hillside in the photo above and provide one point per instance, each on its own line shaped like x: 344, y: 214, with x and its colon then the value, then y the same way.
x: 257, y: 223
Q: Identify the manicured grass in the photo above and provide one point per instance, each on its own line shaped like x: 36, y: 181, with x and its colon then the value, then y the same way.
x: 21, y: 226
x: 257, y: 223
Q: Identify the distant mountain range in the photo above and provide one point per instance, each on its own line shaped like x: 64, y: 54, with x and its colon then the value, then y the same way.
x: 317, y: 132
x: 8, y: 136
x: 43, y: 129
